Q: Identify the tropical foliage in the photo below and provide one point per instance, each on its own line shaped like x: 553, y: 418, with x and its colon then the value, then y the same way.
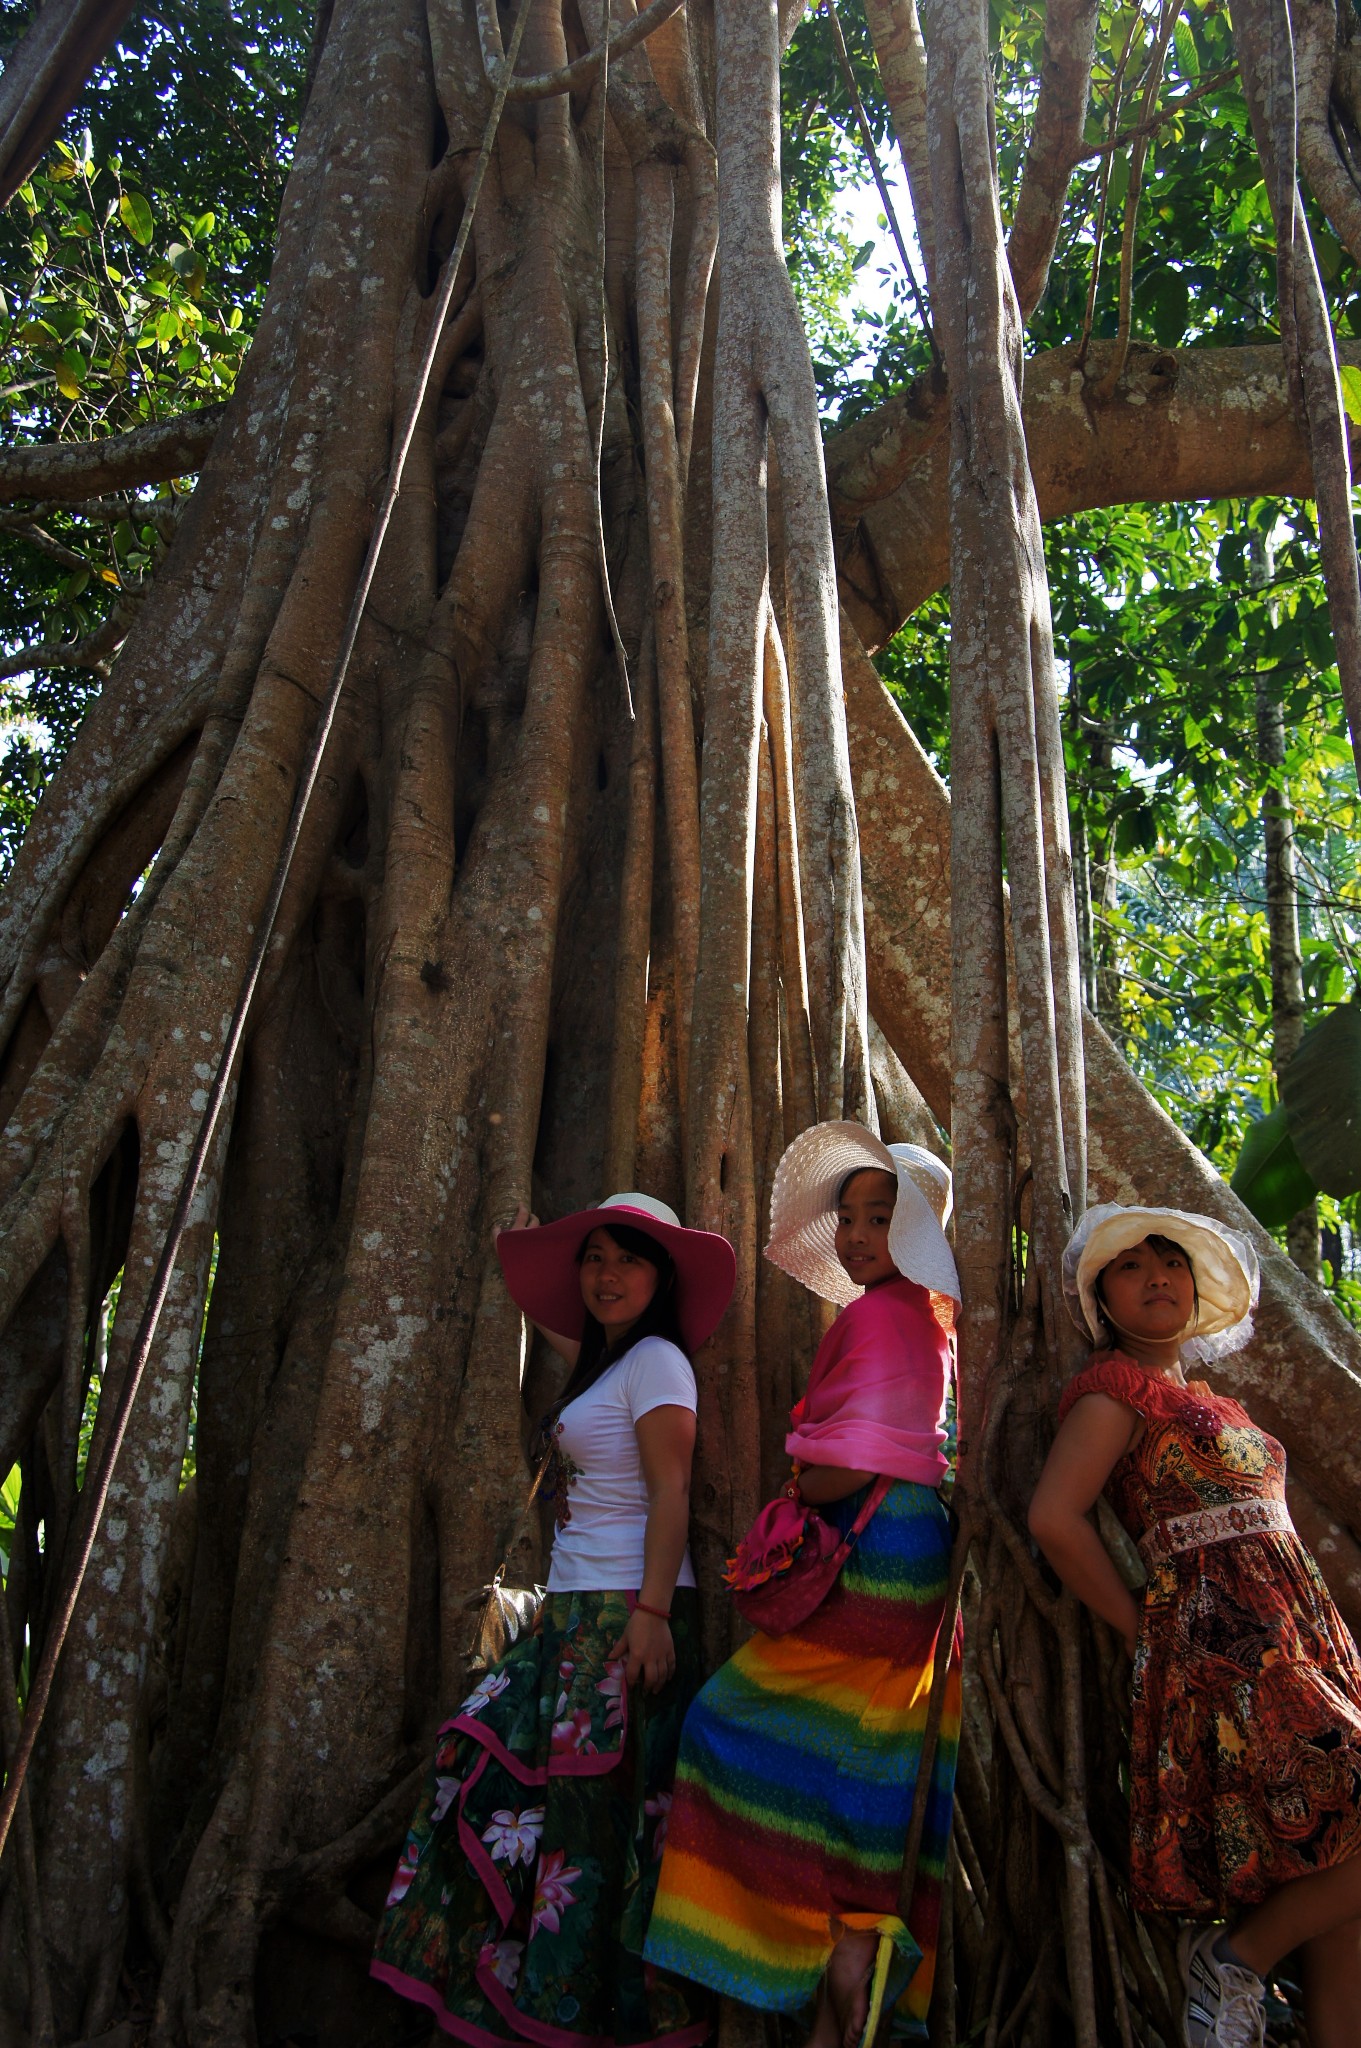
x: 132, y: 266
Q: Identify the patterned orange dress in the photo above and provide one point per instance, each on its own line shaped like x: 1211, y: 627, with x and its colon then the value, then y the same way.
x: 1245, y: 1762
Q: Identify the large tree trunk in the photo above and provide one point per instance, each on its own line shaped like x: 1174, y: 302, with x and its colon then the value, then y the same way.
x: 232, y: 1734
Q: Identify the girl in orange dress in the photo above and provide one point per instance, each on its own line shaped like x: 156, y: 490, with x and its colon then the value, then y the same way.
x: 1245, y: 1796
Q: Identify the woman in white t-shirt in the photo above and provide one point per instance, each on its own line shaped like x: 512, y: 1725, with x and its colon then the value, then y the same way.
x: 521, y: 1901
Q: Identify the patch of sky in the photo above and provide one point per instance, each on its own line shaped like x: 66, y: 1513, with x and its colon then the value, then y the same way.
x: 864, y: 332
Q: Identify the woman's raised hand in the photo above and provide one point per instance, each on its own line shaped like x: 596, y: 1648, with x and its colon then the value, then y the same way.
x: 523, y: 1220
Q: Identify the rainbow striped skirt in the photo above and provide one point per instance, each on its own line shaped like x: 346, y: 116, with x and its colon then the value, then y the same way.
x: 794, y: 1787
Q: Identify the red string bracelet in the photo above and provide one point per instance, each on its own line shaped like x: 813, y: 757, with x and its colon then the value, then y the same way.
x: 662, y: 1613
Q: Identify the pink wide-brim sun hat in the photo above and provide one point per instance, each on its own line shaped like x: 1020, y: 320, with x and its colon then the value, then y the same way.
x: 544, y: 1279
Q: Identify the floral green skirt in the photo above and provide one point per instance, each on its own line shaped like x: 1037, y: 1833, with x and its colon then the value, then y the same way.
x: 521, y: 1901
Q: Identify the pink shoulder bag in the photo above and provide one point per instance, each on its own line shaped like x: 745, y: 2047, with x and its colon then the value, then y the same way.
x: 789, y: 1559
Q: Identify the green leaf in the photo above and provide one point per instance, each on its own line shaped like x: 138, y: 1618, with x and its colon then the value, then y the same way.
x: 1169, y: 304
x: 1351, y: 391
x: 1321, y: 1096
x: 1188, y: 59
x: 9, y: 1513
x: 135, y: 215
x: 67, y: 370
x: 862, y: 255
x: 1269, y: 1177
x: 188, y: 264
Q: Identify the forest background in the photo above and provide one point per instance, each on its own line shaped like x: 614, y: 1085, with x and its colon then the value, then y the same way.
x: 133, y: 266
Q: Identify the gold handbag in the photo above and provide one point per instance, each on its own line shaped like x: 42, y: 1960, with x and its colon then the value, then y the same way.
x: 507, y: 1612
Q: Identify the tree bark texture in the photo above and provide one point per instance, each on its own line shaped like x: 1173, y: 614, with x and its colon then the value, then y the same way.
x: 260, y: 1658
x: 1008, y: 788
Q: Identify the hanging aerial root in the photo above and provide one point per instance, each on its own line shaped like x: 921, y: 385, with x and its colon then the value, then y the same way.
x: 885, y: 197
x: 655, y: 138
x: 793, y: 953
x: 1267, y: 62
x: 635, y: 929
x: 901, y: 56
x: 1316, y: 27
x: 1171, y: 11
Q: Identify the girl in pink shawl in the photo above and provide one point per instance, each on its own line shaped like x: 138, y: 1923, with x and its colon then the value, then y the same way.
x: 798, y: 1760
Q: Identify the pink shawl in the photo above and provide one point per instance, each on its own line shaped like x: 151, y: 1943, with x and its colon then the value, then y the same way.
x: 876, y: 1394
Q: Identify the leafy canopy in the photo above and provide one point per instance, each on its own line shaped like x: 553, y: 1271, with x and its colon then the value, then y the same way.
x: 132, y: 268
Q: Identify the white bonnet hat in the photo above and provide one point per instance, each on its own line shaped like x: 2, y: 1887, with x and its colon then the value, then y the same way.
x: 1223, y: 1261
x: 803, y: 1210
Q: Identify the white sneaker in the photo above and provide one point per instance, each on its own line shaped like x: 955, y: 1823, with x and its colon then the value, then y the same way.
x: 1225, y: 2002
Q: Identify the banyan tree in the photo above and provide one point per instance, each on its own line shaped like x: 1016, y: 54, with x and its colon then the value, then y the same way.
x: 620, y: 867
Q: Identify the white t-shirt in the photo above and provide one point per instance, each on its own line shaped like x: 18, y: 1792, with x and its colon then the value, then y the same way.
x: 599, y: 1548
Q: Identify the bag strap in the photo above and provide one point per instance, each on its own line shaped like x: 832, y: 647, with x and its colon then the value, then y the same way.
x: 874, y: 1500
x: 520, y: 1520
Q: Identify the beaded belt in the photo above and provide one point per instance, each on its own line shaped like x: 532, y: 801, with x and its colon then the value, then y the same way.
x: 1212, y: 1525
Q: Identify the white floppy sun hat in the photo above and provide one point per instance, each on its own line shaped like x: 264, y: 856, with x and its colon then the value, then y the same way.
x: 1223, y: 1261
x: 803, y: 1210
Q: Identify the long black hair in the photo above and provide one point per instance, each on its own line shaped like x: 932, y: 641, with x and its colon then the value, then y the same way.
x: 659, y: 1319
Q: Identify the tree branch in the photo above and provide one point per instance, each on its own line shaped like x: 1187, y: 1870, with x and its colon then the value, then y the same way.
x: 1184, y: 424
x: 46, y: 543
x: 44, y: 76
x: 67, y: 470
x: 92, y: 651
x: 1055, y: 145
x: 544, y: 85
x: 1332, y: 184
x: 901, y: 55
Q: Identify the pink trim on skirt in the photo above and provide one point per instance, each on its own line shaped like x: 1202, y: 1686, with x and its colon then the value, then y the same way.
x: 525, y: 2030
